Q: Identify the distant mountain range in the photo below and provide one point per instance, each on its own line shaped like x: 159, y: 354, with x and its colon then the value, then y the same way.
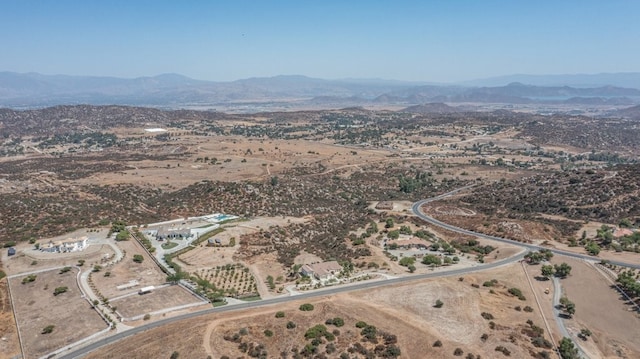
x: 23, y: 90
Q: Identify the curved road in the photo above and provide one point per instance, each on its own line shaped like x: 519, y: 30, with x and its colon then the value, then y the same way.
x: 347, y: 288
x: 416, y: 210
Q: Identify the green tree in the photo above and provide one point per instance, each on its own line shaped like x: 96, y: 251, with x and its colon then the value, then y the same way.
x: 592, y: 248
x: 562, y: 270
x: 547, y: 270
x: 388, y: 223
x: 407, y: 261
x: 432, y: 259
x: 567, y: 349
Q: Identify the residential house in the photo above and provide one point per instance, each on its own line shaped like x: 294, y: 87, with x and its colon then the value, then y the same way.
x: 180, y: 233
x: 68, y: 245
x: 411, y: 243
x: 322, y: 271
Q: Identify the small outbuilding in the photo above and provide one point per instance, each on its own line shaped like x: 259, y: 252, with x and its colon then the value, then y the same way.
x: 11, y: 251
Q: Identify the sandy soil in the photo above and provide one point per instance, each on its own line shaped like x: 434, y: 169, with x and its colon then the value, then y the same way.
x: 146, y: 273
x: 162, y: 298
x: 28, y: 259
x: 9, y: 341
x: 72, y: 315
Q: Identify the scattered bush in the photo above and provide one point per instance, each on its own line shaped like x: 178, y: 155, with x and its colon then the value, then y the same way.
x: 458, y: 352
x: 65, y: 270
x: 291, y: 325
x: 268, y: 333
x: 517, y: 292
x: 437, y: 344
x: 279, y: 314
x: 528, y: 309
x: 60, y: 290
x: 439, y: 304
x: 361, y: 324
x: 307, y: 307
x: 487, y: 316
x: 138, y: 258
x: 503, y: 350
x: 48, y: 329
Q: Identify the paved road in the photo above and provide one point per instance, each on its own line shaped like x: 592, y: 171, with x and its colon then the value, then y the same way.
x: 416, y: 210
x: 348, y: 288
x: 318, y: 293
x: 557, y: 292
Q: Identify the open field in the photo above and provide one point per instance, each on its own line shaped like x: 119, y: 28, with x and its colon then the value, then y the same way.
x: 146, y: 273
x: 616, y: 331
x: 159, y: 299
x: 306, y: 185
x: 406, y: 311
x: 37, y: 307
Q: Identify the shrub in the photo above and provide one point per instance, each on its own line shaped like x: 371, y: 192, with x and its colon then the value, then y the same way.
x: 504, y: 350
x: 437, y: 344
x: 528, y: 309
x: 484, y: 337
x: 138, y: 258
x: 361, y: 324
x: 458, y: 352
x: 517, y: 292
x: 307, y: 307
x: 338, y: 322
x: 279, y: 314
x: 146, y: 317
x: 60, y: 290
x: 28, y: 279
x: 268, y: 333
x: 48, y: 329
x: 65, y: 270
x: 439, y: 304
x: 487, y: 316
x: 291, y: 325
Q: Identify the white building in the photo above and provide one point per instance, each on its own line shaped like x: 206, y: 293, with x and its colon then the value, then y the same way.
x: 68, y: 245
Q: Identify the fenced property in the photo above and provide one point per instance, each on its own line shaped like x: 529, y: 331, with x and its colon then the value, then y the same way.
x: 234, y: 279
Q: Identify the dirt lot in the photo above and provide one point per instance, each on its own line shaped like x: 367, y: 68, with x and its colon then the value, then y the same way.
x: 162, y: 298
x: 405, y: 310
x: 146, y: 273
x: 37, y: 307
x: 28, y: 259
x: 9, y: 342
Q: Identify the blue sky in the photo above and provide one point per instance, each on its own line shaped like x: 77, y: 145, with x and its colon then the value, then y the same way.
x: 441, y: 41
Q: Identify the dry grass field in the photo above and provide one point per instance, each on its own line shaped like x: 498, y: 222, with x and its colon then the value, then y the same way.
x: 37, y: 308
x: 159, y: 299
x: 406, y: 311
x: 146, y: 273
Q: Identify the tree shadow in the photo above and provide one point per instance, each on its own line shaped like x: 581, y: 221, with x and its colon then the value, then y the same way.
x: 541, y: 278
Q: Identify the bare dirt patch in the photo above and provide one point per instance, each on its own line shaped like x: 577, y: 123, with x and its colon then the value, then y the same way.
x: 37, y: 307
x: 158, y: 299
x: 146, y: 273
x: 601, y: 309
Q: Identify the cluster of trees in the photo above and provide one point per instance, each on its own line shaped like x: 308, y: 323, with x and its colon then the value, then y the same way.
x: 629, y: 283
x: 562, y: 270
x: 410, y: 184
x: 539, y: 256
x: 568, y: 306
